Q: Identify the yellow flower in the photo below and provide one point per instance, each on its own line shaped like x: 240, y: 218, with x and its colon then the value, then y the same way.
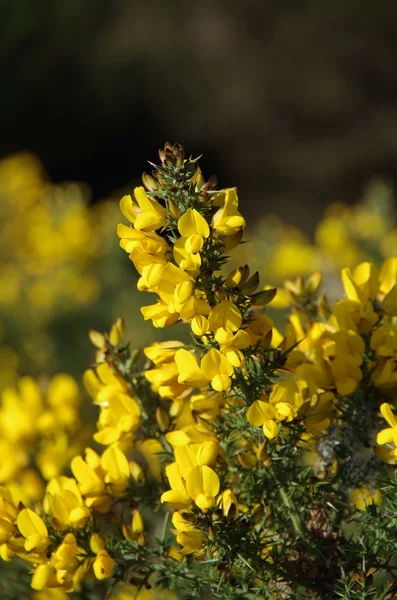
x: 191, y: 455
x: 365, y: 496
x: 193, y: 228
x: 186, y: 535
x: 102, y: 383
x: 147, y: 215
x: 90, y: 477
x: 231, y: 346
x: 227, y: 220
x: 63, y: 395
x: 363, y: 284
x: 190, y: 541
x: 160, y: 314
x: 388, y: 275
x: 135, y: 532
x: 202, y: 485
x: 188, y: 369
x: 388, y: 435
x: 116, y: 332
x: 264, y: 414
x: 199, y: 325
x: 64, y: 503
x: 389, y: 303
x: 65, y: 556
x: 225, y: 315
x: 194, y: 307
x: 207, y: 406
x: 354, y: 315
x: 229, y: 504
x: 8, y: 514
x: 45, y: 576
x: 117, y: 470
x: 177, y: 497
x: 103, y: 565
x: 20, y: 410
x: 162, y: 352
x: 34, y: 531
x: 286, y: 398
x: 384, y: 374
x: 164, y: 380
x: 346, y: 351
x: 384, y: 340
x: 119, y: 417
x: 144, y: 249
x: 217, y: 368
x: 319, y: 411
x: 185, y: 259
x: 150, y: 450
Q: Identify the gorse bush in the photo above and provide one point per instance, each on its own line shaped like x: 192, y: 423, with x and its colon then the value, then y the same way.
x: 252, y: 462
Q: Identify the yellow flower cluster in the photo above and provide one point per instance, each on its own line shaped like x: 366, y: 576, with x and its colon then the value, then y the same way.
x: 38, y: 433
x: 198, y: 428
x: 44, y: 233
x: 176, y: 248
x: 51, y: 543
x: 171, y: 269
x: 46, y: 264
x: 345, y: 236
x: 23, y: 533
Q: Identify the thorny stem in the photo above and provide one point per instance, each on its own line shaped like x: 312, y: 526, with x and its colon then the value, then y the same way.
x: 296, y: 520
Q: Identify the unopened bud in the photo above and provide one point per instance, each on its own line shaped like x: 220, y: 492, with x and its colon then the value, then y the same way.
x: 261, y: 453
x: 117, y: 332
x: 199, y: 325
x: 150, y: 183
x: 137, y: 472
x: 264, y: 297
x: 174, y: 209
x: 162, y: 418
x: 232, y: 241
x: 313, y: 282
x: 96, y: 338
x: 198, y: 180
x: 250, y: 285
x: 237, y: 277
x: 211, y: 534
x: 96, y: 543
x: 247, y: 460
x: 137, y: 525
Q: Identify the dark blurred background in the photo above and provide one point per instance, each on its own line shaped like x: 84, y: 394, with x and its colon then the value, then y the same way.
x: 294, y: 102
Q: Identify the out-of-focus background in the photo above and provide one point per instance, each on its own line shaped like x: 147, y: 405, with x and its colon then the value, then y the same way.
x: 295, y: 103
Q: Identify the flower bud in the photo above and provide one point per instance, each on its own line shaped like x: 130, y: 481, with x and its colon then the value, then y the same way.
x: 173, y: 209
x: 237, y: 277
x: 96, y: 338
x: 137, y: 472
x: 162, y: 418
x: 137, y: 522
x: 261, y: 453
x: 313, y: 282
x: 149, y: 182
x: 229, y: 504
x: 199, y: 325
x: 247, y: 460
x: 96, y: 543
x: 249, y: 286
x: 117, y: 332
